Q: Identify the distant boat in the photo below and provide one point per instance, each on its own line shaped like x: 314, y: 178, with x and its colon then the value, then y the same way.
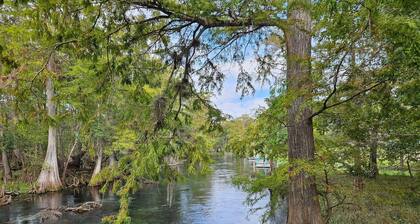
x: 262, y: 163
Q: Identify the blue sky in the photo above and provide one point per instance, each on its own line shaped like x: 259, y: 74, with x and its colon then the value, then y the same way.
x: 229, y: 101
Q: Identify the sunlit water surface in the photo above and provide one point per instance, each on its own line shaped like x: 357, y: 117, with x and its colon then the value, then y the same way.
x: 206, y: 199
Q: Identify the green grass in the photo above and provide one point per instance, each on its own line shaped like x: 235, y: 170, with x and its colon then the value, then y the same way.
x: 18, y: 186
x: 386, y: 199
x: 394, y: 173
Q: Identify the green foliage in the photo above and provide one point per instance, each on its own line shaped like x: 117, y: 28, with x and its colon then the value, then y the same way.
x: 17, y: 186
x: 137, y: 84
x: 384, y: 200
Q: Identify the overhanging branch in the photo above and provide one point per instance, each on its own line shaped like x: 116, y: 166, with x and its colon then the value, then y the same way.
x: 325, y: 107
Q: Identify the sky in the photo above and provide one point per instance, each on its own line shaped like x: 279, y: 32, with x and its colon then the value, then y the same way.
x: 229, y: 101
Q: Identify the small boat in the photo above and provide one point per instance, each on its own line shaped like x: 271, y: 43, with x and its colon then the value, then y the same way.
x: 262, y: 163
x: 251, y: 158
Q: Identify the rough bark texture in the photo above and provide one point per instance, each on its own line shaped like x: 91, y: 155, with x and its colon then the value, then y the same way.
x: 7, y: 174
x: 409, y: 168
x: 303, y: 203
x: 373, y: 162
x: 402, y: 163
x: 68, y: 159
x: 49, y: 178
x: 13, y: 117
x: 98, y: 164
x: 112, y: 160
x: 6, y: 168
x: 358, y: 182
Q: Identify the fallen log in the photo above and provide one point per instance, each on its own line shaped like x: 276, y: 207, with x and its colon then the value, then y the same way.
x: 5, y: 200
x: 12, y: 193
x: 52, y: 215
x: 49, y: 215
x: 85, y: 207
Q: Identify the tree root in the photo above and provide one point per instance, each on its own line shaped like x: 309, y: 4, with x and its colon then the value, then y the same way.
x: 49, y: 215
x: 5, y: 200
x: 54, y: 214
x: 85, y: 207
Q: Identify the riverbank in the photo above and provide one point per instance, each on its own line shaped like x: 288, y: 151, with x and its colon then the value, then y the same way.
x: 22, y: 187
x: 204, y: 199
x: 209, y: 198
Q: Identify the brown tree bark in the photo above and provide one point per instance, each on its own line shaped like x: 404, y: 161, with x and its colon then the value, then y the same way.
x: 49, y: 178
x: 409, y: 167
x: 112, y: 160
x: 402, y: 163
x: 14, y: 118
x: 358, y: 182
x: 303, y: 203
x: 7, y: 174
x: 373, y: 154
x: 68, y: 160
x: 373, y: 162
x: 6, y: 167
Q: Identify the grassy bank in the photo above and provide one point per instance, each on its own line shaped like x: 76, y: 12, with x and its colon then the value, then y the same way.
x: 386, y: 199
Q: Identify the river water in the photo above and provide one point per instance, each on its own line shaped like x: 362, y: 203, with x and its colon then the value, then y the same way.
x: 206, y: 199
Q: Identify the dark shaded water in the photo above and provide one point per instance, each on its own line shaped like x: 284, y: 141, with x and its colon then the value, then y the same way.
x: 206, y: 199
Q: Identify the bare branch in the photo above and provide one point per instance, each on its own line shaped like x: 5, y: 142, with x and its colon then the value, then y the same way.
x: 348, y: 99
x: 337, y: 71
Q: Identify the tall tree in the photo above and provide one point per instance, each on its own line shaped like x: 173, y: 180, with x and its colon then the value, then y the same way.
x: 303, y: 198
x: 98, y: 162
x: 7, y: 174
x: 186, y: 39
x: 49, y: 178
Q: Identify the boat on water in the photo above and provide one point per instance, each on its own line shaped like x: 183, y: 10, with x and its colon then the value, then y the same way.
x: 251, y: 159
x: 261, y: 162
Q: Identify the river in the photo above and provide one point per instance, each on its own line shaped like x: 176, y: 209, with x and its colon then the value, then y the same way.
x: 210, y: 198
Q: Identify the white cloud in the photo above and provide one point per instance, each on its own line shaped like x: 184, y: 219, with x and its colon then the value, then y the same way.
x: 233, y: 68
x: 229, y: 101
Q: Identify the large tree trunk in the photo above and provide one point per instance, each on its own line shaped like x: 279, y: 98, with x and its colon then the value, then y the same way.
x: 68, y: 160
x: 112, y: 160
x: 373, y: 162
x: 303, y: 203
x: 98, y: 164
x: 358, y: 182
x: 7, y: 174
x: 402, y: 163
x: 6, y: 167
x: 49, y: 178
x: 409, y: 168
x: 14, y: 118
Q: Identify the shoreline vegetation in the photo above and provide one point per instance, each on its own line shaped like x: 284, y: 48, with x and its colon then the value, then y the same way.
x: 113, y: 94
x: 381, y: 200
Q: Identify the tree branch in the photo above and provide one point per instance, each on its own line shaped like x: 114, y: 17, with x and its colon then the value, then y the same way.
x: 346, y: 100
x: 211, y: 21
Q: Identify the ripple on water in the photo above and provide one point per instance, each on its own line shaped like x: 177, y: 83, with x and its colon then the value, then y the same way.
x: 206, y: 199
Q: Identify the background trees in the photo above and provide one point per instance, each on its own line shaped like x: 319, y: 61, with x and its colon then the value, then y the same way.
x: 135, y: 77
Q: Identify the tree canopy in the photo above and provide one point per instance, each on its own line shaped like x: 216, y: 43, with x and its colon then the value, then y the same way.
x: 130, y: 83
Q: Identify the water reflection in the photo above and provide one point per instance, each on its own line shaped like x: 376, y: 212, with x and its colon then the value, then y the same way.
x: 53, y: 200
x: 170, y: 194
x: 205, y: 199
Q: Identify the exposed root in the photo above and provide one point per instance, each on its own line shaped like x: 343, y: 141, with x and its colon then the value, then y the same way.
x: 52, y: 215
x: 48, y: 187
x: 4, y: 197
x: 5, y: 200
x: 85, y: 207
x: 49, y: 215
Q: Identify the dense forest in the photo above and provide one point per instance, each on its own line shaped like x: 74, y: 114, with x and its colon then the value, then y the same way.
x: 117, y: 94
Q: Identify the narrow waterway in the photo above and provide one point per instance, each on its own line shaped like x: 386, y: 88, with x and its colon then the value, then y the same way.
x: 206, y: 199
